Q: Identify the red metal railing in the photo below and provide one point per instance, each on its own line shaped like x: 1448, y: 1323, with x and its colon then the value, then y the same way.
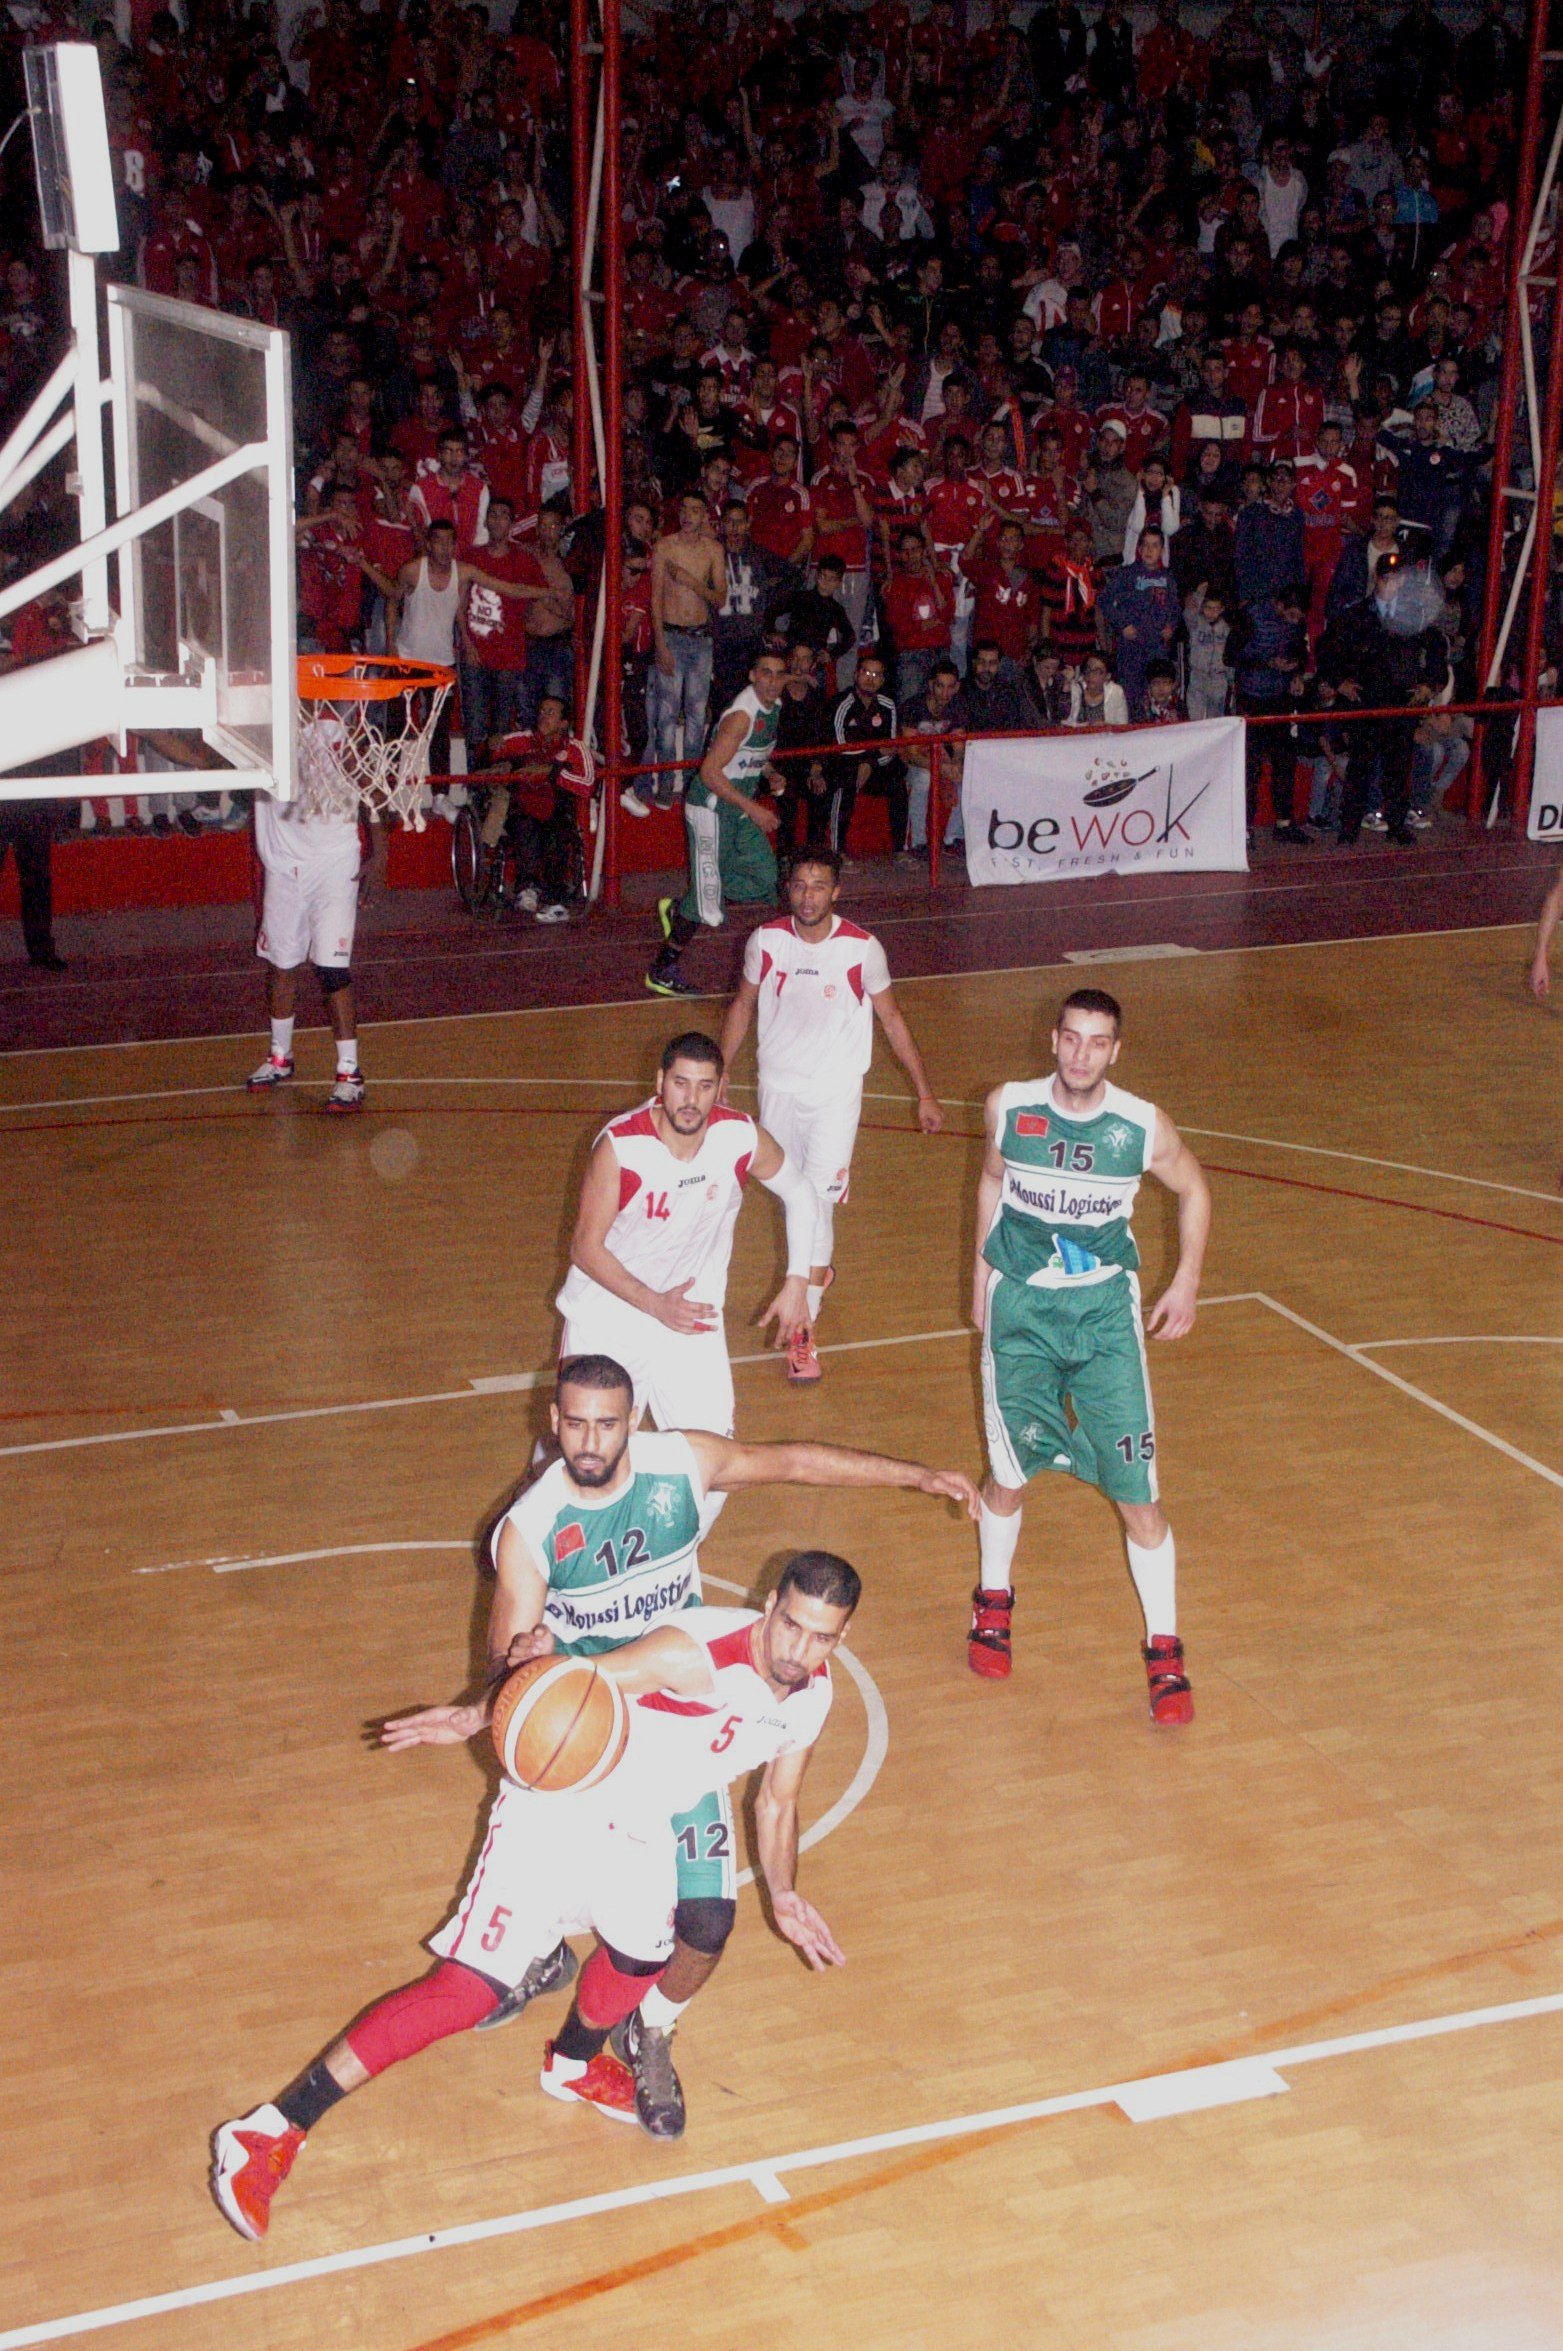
x: 931, y: 748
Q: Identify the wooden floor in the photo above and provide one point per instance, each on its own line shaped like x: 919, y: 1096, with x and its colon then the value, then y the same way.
x: 250, y: 1432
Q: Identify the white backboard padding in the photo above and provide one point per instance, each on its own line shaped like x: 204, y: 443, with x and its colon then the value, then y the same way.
x: 54, y: 705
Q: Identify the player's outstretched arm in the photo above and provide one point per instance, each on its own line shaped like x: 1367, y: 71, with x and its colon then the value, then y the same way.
x: 589, y: 1250
x: 728, y: 1466
x: 989, y: 1186
x: 1174, y: 1164
x: 736, y: 1021
x: 1551, y: 914
x: 776, y: 1835
x: 903, y: 1045
x: 516, y: 1631
x: 665, y: 1659
x: 789, y: 1309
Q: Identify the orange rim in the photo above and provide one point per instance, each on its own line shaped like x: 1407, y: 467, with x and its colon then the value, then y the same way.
x: 366, y: 677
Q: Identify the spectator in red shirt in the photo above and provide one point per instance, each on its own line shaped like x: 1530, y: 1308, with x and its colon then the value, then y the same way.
x: 780, y: 508
x: 918, y: 611
x: 453, y: 491
x: 1008, y: 606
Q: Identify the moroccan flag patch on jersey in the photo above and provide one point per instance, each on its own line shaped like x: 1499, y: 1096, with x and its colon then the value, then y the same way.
x: 568, y: 1539
x: 1027, y: 1124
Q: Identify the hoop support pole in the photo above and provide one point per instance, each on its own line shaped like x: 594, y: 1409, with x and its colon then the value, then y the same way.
x: 1521, y: 224
x: 613, y: 421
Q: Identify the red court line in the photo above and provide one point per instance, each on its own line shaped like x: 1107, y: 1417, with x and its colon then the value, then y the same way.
x: 1382, y: 1200
x: 236, y: 1117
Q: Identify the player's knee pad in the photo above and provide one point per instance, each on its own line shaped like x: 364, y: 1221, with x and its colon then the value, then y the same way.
x: 704, y: 1922
x: 333, y: 978
x: 451, y: 2000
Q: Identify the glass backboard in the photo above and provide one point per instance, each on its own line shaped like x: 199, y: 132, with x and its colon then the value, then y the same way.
x: 213, y: 582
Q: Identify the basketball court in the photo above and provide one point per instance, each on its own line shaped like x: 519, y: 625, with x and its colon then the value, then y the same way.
x: 1250, y: 2034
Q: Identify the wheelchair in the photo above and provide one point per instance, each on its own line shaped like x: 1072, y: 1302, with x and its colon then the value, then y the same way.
x: 528, y: 860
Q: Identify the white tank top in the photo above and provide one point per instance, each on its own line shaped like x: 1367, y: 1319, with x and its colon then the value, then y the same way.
x: 428, y: 624
x: 676, y: 1216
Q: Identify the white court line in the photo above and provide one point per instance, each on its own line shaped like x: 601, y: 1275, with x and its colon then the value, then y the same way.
x: 1185, y: 2089
x: 1380, y: 1371
x: 481, y: 1390
x: 1151, y: 2096
x: 995, y: 971
x: 1440, y: 1175
x: 1477, y: 1339
x: 633, y: 1086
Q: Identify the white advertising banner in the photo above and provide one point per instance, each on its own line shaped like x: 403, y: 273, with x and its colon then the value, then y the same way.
x: 1546, y: 789
x: 1062, y: 806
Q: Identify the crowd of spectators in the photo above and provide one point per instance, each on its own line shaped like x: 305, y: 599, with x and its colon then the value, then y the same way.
x: 1086, y: 369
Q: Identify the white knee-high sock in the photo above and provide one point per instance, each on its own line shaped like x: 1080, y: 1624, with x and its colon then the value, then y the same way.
x: 996, y: 1541
x: 659, y: 2012
x: 1155, y: 1573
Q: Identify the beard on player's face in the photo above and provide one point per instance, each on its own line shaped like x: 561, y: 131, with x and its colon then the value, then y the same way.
x: 686, y: 1118
x: 596, y: 1464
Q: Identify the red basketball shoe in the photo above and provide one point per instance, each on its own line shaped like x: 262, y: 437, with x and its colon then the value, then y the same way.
x: 604, y: 2083
x: 250, y: 2160
x: 1171, y: 1698
x: 803, y: 1363
x: 987, y: 1644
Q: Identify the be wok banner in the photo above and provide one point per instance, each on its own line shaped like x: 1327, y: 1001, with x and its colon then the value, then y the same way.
x: 1546, y: 790
x: 1061, y: 806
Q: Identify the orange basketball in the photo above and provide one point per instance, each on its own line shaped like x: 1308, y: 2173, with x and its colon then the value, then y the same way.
x: 558, y: 1723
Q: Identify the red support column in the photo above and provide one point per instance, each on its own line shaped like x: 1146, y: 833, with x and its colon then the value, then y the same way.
x: 580, y: 399
x: 613, y: 436
x: 935, y: 809
x: 1509, y: 383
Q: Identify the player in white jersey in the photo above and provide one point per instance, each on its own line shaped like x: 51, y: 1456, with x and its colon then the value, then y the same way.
x: 1056, y: 1296
x: 654, y: 1233
x: 816, y: 983
x: 724, y: 1692
x: 600, y: 1546
x: 316, y: 876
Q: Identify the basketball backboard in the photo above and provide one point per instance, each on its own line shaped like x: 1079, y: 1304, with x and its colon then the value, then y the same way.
x: 213, y: 585
x: 182, y: 585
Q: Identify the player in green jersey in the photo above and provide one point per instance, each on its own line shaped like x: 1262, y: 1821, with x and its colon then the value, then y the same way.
x: 1056, y: 1296
x: 601, y: 1546
x: 729, y: 827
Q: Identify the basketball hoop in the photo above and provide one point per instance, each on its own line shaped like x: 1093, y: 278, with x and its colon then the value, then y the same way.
x: 365, y: 726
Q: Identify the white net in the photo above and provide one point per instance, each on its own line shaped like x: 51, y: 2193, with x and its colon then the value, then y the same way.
x: 370, y: 757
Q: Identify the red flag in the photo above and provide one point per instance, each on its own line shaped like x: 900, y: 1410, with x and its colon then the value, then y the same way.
x: 568, y: 1539
x: 1028, y: 1124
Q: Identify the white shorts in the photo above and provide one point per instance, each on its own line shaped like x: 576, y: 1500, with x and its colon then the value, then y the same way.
x: 817, y: 1132
x: 552, y: 1866
x: 683, y: 1379
x: 309, y: 913
x: 310, y: 907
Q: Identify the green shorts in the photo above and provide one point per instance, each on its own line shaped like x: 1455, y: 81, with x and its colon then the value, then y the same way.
x: 731, y: 862
x: 707, y: 1867
x: 1065, y: 1386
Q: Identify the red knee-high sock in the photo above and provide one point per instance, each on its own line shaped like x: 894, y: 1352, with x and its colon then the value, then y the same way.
x: 605, y: 1996
x: 451, y: 2000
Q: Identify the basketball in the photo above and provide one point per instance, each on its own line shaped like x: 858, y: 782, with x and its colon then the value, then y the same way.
x: 558, y: 1723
